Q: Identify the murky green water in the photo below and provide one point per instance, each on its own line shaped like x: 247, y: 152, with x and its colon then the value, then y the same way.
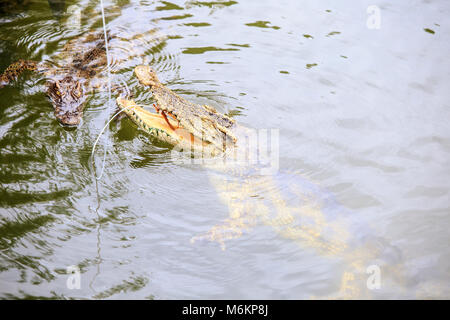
x: 364, y: 154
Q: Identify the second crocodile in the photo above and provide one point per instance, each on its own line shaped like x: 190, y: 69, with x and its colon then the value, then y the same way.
x: 68, y: 76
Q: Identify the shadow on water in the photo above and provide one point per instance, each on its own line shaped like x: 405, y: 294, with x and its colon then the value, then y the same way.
x: 13, y: 6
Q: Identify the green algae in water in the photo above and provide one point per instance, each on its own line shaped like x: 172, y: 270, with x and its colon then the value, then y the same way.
x: 198, y: 24
x: 262, y: 24
x: 429, y: 30
x: 246, y: 45
x: 332, y: 33
x: 200, y: 50
x: 179, y: 17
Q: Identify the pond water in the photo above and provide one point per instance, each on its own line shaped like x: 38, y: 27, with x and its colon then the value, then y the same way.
x: 357, y: 208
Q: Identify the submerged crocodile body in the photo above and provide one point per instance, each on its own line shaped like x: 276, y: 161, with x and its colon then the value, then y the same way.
x: 303, y: 213
x: 68, y: 81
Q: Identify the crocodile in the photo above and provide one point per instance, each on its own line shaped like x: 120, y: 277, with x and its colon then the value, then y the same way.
x: 202, y: 121
x: 303, y: 212
x: 68, y: 82
x: 72, y: 75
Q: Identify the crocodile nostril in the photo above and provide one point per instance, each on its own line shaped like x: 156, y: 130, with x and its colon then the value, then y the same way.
x: 71, y: 121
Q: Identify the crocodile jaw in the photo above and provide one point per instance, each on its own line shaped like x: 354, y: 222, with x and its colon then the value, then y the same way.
x: 201, y: 121
x: 157, y: 126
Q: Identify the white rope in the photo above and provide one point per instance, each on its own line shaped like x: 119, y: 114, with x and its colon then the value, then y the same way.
x: 106, y: 126
x: 109, y: 93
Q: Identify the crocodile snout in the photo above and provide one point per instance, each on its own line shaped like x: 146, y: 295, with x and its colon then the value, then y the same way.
x: 70, y: 120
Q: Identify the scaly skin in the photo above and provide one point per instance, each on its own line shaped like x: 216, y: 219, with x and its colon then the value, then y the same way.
x: 67, y: 87
x: 14, y: 70
x: 158, y: 127
x: 201, y: 120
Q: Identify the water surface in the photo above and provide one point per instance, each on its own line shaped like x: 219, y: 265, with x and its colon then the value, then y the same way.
x: 364, y: 146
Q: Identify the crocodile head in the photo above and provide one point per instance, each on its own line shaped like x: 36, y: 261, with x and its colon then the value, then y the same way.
x: 147, y: 76
x: 201, y: 121
x: 165, y: 129
x: 68, y: 98
x: 159, y: 127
